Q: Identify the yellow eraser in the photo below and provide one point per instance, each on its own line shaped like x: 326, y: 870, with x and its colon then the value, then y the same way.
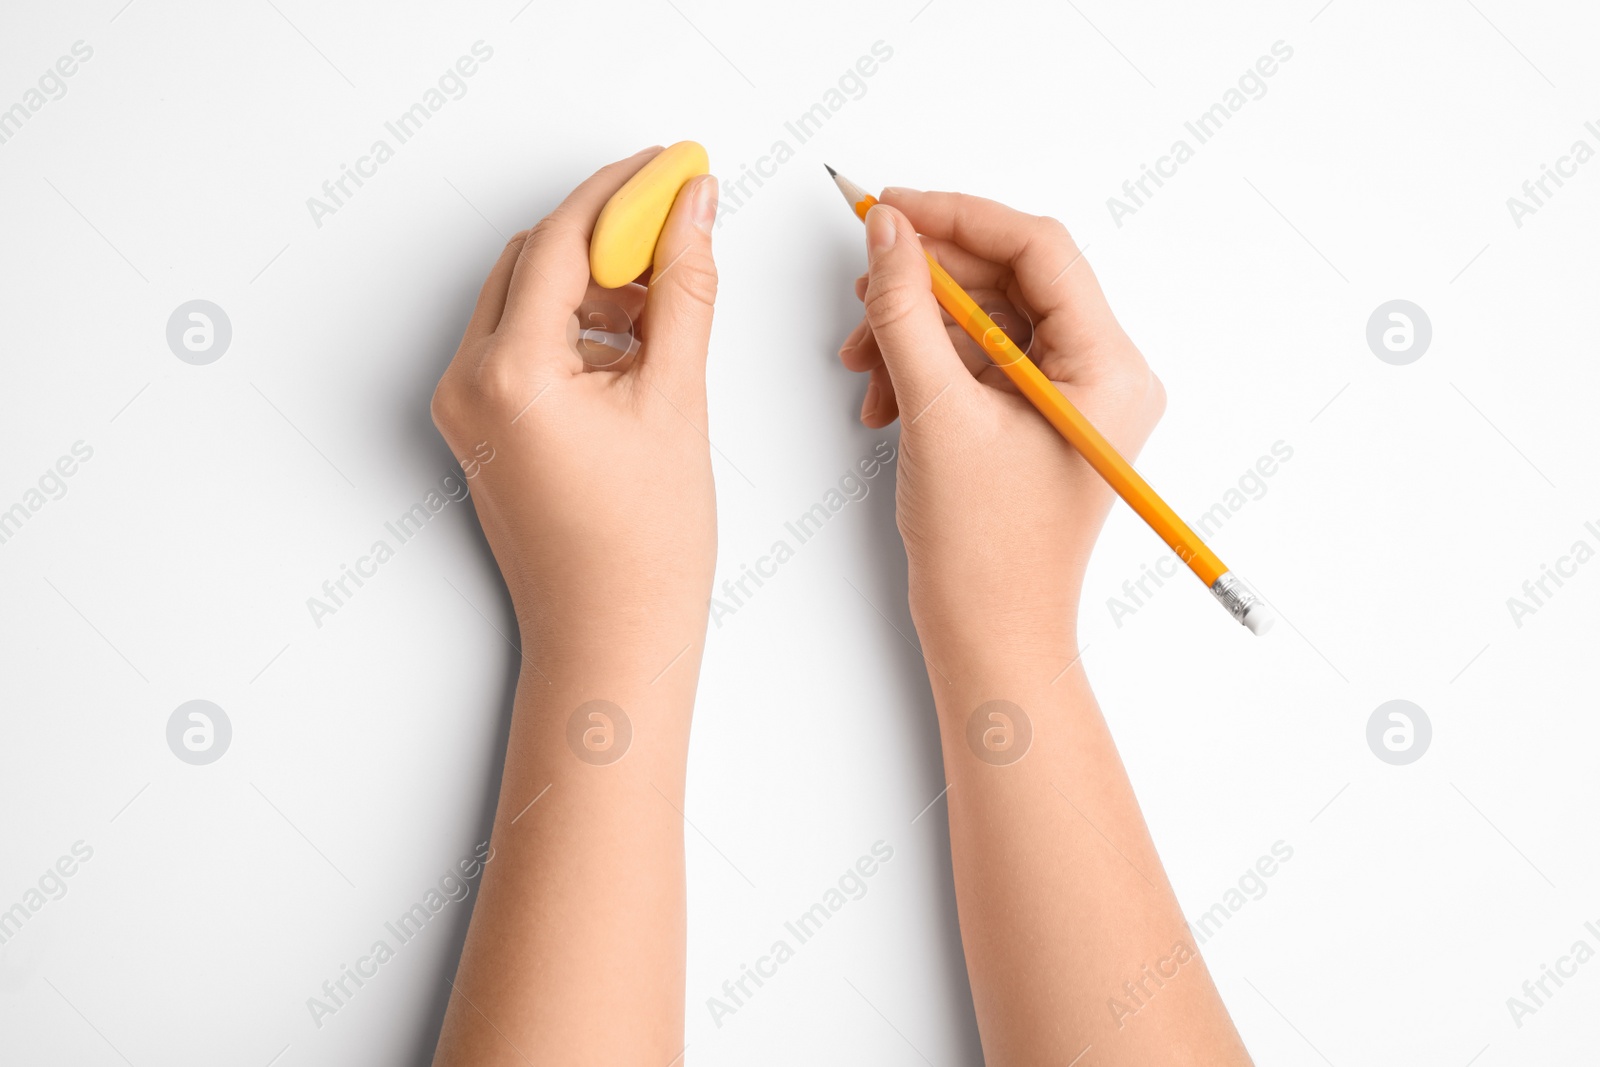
x: 624, y: 240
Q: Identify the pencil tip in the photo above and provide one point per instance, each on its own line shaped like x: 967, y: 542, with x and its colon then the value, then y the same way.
x: 831, y: 172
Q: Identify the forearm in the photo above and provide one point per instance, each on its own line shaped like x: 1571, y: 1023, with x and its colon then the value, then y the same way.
x: 582, y: 905
x: 1073, y: 936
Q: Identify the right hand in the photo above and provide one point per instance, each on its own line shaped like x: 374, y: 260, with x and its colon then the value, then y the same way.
x: 998, y: 512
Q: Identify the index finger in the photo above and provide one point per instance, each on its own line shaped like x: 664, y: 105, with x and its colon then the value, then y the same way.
x: 551, y: 275
x: 1048, y: 266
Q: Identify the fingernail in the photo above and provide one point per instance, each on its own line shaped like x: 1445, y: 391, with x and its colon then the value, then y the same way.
x: 880, y: 231
x: 899, y: 190
x: 705, y: 203
x: 870, y: 404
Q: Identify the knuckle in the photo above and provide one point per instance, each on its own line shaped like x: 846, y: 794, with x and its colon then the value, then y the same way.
x: 965, y: 216
x: 694, y: 273
x: 1053, y: 231
x: 486, y: 384
x: 498, y: 387
x: 890, y: 302
x: 548, y: 230
x: 446, y: 407
x: 617, y: 166
x: 468, y: 398
x: 1050, y: 225
x: 1129, y: 379
x: 541, y: 230
x: 1156, y: 397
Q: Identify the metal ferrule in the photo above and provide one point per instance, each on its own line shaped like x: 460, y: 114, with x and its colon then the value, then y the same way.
x: 1234, y: 595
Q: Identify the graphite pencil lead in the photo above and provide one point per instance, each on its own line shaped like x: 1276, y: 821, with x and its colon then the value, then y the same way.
x: 831, y: 172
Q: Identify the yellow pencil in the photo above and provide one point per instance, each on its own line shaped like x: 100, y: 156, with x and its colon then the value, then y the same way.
x: 1231, y: 592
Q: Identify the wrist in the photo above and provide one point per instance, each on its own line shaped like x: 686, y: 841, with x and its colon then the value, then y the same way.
x: 996, y: 706
x: 967, y: 668
x: 977, y: 637
x: 976, y: 608
x: 634, y: 641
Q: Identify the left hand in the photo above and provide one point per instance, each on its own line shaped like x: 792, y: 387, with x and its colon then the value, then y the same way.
x: 598, y: 502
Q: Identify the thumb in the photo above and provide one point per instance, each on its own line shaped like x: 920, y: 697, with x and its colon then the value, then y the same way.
x: 904, y: 315
x: 676, y: 323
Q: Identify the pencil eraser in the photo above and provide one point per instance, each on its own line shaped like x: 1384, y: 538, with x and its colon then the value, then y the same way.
x: 1259, y: 618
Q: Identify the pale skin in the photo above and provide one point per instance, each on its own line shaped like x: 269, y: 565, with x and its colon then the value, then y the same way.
x: 600, y: 511
x: 1061, y: 896
x: 599, y: 508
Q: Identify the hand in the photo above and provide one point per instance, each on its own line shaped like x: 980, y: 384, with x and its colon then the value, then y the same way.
x: 598, y: 499
x: 997, y: 511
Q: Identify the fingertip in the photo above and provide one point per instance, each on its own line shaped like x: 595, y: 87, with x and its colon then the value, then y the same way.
x: 904, y: 203
x: 882, y: 226
x: 689, y: 221
x: 707, y: 194
x: 879, y: 407
x: 869, y: 403
x: 860, y: 352
x: 888, y: 409
x: 852, y: 338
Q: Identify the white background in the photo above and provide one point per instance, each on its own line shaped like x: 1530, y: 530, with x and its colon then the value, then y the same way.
x: 365, y: 753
